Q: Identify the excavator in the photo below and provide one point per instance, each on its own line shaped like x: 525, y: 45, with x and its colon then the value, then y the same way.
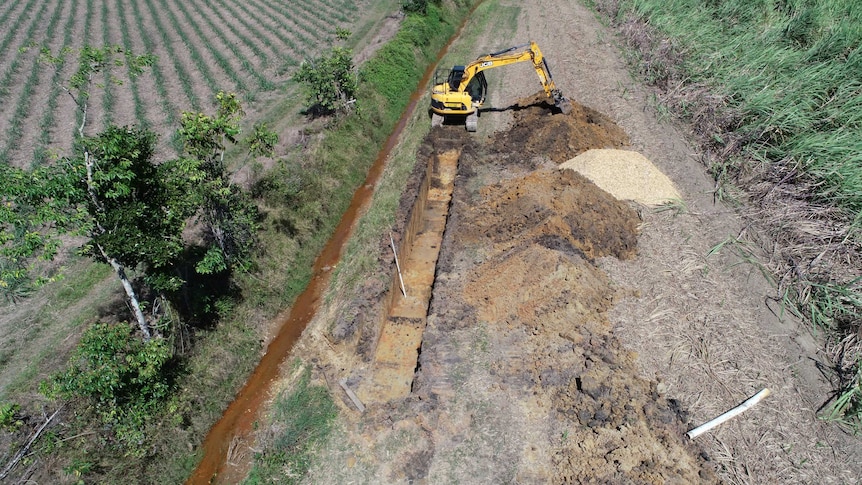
x: 461, y: 91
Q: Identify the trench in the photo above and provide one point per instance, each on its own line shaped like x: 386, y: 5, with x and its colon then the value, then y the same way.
x: 405, y: 311
x: 235, y: 424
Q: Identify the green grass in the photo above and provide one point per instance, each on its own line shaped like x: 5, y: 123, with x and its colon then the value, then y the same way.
x: 37, y: 344
x: 302, y: 417
x: 787, y: 74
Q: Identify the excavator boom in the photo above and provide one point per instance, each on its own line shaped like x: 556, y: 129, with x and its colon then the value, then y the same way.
x: 462, y: 89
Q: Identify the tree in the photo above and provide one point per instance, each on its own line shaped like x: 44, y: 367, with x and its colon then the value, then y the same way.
x: 132, y: 210
x: 330, y: 81
x: 133, y: 217
x: 228, y: 214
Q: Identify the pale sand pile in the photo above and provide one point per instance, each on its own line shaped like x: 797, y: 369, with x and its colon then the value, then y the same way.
x: 626, y: 175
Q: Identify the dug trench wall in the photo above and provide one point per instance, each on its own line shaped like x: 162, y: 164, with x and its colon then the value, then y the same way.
x: 405, y: 309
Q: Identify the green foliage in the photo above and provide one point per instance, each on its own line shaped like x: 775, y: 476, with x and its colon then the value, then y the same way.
x: 303, y: 418
x: 342, y: 34
x: 398, y: 65
x: 30, y: 201
x: 124, y: 379
x: 229, y: 214
x: 205, y: 136
x: 261, y: 142
x: 135, y: 217
x: 417, y: 6
x: 9, y: 416
x: 330, y: 81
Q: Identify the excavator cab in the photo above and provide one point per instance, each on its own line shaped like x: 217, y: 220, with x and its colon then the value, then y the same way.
x: 456, y: 74
x: 453, y: 101
x: 449, y: 80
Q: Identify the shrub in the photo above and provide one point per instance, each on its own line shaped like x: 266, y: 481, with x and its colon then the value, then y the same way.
x: 123, y: 378
x: 330, y: 81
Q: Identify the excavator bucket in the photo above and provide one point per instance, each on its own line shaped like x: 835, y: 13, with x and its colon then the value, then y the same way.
x: 562, y: 103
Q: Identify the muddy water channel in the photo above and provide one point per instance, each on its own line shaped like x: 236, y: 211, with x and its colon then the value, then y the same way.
x: 235, y: 425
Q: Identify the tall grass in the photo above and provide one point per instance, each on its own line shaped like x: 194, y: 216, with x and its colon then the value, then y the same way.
x: 304, y: 416
x: 791, y: 69
x: 781, y: 81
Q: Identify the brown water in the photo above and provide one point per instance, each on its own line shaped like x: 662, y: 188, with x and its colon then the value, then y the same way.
x: 235, y: 425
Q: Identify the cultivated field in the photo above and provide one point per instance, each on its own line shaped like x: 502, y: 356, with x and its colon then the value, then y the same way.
x: 203, y: 46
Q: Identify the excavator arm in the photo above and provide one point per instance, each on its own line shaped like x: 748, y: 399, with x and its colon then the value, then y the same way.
x: 464, y: 88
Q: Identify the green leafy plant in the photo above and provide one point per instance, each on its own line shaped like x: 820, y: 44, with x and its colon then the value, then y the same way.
x: 330, y: 81
x: 124, y: 379
x: 416, y: 6
x: 342, y: 34
x: 78, y: 468
x: 9, y: 416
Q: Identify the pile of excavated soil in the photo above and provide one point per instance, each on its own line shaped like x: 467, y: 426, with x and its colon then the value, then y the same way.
x: 539, y: 129
x: 625, y: 174
x: 544, y: 304
x: 558, y: 209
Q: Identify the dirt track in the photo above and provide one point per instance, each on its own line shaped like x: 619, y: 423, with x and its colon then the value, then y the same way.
x: 572, y: 337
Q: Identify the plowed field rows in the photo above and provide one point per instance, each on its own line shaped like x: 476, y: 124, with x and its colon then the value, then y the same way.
x: 202, y: 46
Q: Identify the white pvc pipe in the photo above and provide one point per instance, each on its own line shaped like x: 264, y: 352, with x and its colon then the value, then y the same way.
x: 730, y: 414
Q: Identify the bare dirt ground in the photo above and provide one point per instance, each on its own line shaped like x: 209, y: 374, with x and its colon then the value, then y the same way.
x: 571, y: 337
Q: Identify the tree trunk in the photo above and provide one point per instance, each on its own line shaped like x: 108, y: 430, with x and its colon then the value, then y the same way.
x: 133, y: 297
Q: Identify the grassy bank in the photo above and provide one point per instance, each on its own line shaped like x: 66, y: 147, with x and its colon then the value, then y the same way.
x: 773, y: 90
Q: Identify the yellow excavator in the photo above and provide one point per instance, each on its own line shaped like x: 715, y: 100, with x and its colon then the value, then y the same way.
x: 460, y: 91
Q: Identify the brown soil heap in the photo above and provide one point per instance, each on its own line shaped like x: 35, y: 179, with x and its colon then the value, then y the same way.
x: 540, y: 130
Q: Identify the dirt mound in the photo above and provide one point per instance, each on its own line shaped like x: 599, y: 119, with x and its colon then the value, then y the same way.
x: 539, y: 233
x: 558, y: 209
x: 539, y: 129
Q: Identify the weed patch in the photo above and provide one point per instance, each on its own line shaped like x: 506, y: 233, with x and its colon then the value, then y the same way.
x: 302, y: 418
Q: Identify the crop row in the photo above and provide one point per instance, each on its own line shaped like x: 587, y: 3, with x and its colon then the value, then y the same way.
x: 202, y: 46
